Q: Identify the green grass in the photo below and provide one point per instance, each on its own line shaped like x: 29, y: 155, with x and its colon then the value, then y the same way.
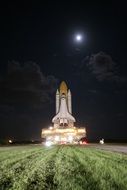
x: 37, y: 167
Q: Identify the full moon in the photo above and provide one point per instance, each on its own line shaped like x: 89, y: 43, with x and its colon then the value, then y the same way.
x: 78, y: 37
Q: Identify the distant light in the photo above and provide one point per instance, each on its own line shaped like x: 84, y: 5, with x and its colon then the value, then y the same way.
x: 101, y: 141
x: 57, y: 138
x: 51, y: 127
x: 84, y: 142
x: 48, y: 143
x: 48, y: 138
x: 63, y: 139
x: 70, y: 138
x: 10, y: 141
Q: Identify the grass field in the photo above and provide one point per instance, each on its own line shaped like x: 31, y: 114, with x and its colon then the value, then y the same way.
x: 61, y: 168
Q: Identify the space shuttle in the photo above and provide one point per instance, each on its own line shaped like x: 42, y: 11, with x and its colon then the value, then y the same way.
x: 63, y: 129
x: 63, y: 115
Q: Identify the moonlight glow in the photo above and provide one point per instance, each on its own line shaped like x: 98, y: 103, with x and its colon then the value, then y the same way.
x: 78, y: 37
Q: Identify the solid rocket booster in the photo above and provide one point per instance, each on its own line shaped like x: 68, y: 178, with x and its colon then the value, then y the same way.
x: 69, y: 101
x: 57, y: 101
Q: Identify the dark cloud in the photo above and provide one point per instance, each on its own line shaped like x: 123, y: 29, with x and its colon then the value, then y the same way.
x: 103, y: 67
x: 26, y: 85
x: 25, y: 93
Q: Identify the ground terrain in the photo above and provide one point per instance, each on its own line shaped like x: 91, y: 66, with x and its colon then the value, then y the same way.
x: 64, y: 167
x: 121, y: 148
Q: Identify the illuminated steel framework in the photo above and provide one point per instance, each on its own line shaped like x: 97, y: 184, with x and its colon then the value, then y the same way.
x: 63, y: 129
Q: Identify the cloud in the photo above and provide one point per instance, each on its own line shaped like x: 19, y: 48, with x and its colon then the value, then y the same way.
x: 25, y: 85
x: 103, y: 67
x: 25, y: 95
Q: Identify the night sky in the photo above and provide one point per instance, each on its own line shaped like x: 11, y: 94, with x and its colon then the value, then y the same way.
x: 38, y: 51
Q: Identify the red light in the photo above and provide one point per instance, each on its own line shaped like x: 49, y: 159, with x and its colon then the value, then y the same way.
x: 63, y: 142
x: 84, y: 142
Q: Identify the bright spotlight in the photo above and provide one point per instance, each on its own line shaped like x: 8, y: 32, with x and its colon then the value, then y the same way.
x: 50, y: 127
x: 70, y: 138
x: 48, y: 143
x: 57, y: 138
x: 102, y: 141
x: 10, y: 141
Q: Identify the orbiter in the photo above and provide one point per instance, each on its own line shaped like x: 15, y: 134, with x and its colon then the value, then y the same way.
x: 63, y: 115
x: 63, y: 129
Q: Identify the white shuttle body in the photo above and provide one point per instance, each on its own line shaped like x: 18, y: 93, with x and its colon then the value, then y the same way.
x: 63, y: 129
x: 63, y: 115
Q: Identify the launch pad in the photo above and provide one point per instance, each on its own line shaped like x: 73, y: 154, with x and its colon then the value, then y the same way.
x: 63, y: 130
x: 63, y: 135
